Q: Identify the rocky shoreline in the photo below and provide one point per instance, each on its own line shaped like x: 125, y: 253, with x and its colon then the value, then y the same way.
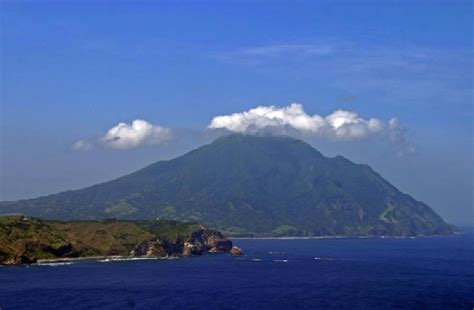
x: 26, y: 240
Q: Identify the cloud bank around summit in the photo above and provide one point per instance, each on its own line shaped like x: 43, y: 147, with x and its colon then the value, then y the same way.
x: 339, y: 126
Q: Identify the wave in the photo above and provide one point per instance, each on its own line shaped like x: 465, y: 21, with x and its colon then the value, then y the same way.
x: 55, y: 264
x: 323, y: 258
x: 121, y: 259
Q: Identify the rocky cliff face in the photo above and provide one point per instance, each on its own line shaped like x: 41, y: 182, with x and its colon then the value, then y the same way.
x: 26, y: 240
x: 201, y: 241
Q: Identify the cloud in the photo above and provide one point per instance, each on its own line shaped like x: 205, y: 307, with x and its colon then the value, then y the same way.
x: 283, y: 49
x: 262, y: 53
x: 398, y: 75
x: 398, y: 136
x: 136, y: 134
x: 125, y: 136
x: 291, y: 120
x: 81, y: 145
x: 338, y: 126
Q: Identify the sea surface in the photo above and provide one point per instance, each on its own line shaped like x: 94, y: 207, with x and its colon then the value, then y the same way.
x: 420, y: 273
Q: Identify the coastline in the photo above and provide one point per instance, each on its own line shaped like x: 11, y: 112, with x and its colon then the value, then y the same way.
x: 117, y: 258
x: 342, y: 237
x: 73, y: 259
x: 99, y: 258
x: 292, y: 238
x: 36, y: 241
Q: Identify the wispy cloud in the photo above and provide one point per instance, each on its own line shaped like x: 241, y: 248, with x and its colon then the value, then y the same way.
x: 81, y: 145
x: 282, y: 49
x: 265, y: 53
x: 404, y: 75
x: 354, y: 56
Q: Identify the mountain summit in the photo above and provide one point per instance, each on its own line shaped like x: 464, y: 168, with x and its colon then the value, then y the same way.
x: 250, y: 185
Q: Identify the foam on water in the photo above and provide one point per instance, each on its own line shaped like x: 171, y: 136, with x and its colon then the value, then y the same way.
x: 123, y: 259
x: 55, y: 264
x: 323, y: 258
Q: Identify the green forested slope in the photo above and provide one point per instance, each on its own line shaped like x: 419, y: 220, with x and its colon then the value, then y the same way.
x: 251, y: 185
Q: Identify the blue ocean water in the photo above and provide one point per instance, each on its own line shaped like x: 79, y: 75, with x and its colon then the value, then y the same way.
x: 421, y: 273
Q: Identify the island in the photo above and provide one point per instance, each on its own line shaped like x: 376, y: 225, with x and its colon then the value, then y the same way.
x: 26, y: 240
x: 251, y: 186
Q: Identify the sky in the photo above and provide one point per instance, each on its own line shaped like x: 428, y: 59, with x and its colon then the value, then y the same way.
x: 93, y: 90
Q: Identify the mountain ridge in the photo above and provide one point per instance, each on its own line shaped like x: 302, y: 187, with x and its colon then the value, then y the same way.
x: 251, y: 185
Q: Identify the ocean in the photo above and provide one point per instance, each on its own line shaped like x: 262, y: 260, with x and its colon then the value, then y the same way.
x: 345, y: 273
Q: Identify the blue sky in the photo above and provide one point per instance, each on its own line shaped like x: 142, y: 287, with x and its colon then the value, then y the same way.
x: 73, y: 70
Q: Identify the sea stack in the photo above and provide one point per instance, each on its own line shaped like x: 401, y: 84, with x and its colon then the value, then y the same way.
x: 236, y: 251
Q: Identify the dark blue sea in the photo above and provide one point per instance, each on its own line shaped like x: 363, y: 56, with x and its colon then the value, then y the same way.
x: 421, y: 273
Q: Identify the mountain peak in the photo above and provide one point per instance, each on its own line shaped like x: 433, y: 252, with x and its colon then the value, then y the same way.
x: 242, y: 138
x: 265, y: 144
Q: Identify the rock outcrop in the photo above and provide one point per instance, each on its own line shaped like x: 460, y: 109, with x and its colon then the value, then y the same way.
x: 236, y: 251
x: 149, y: 249
x: 208, y: 240
x: 202, y: 240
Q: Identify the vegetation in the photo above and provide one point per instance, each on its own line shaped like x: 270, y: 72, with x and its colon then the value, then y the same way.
x: 248, y: 185
x: 26, y: 240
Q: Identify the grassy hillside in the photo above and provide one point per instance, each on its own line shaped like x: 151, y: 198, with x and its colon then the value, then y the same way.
x: 25, y: 240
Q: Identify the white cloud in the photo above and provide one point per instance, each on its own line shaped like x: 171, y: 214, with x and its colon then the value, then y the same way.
x: 339, y: 125
x: 138, y: 133
x: 127, y: 136
x: 292, y: 120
